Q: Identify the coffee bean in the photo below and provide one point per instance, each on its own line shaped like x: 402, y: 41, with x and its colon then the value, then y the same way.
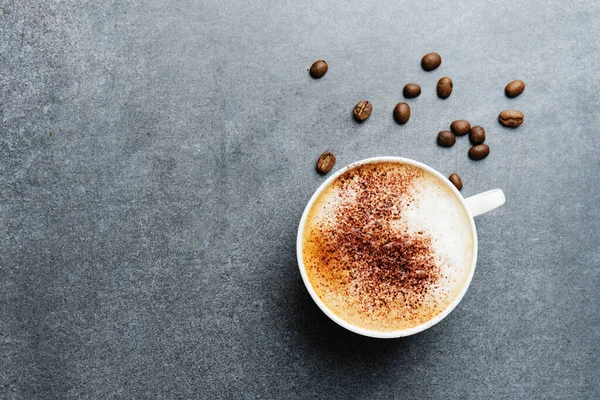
x: 456, y: 181
x: 431, y: 61
x: 446, y: 139
x: 401, y: 113
x: 362, y: 110
x: 318, y: 69
x: 477, y: 135
x: 444, y: 87
x: 325, y: 163
x: 412, y: 90
x: 511, y: 118
x: 514, y: 88
x: 479, y: 152
x: 460, y: 127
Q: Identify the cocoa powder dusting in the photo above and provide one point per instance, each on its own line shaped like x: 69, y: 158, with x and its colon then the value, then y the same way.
x: 367, y: 252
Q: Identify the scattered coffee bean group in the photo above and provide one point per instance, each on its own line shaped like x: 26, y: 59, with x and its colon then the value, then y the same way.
x: 446, y: 138
x: 461, y: 127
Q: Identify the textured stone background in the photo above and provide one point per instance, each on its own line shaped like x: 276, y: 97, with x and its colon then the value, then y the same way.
x: 155, y: 157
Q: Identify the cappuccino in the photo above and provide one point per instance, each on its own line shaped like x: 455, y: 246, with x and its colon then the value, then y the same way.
x: 387, y: 246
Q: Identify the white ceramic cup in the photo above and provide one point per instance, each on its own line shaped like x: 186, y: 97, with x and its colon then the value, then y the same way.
x: 474, y: 205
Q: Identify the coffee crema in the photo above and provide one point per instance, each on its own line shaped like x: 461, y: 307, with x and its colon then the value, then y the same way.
x: 387, y: 246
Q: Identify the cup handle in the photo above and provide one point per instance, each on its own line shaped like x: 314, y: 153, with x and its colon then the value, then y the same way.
x: 485, y: 202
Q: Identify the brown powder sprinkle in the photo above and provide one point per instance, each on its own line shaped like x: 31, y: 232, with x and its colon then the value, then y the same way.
x: 367, y: 251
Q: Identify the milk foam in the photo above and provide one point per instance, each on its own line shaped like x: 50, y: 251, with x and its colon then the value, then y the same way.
x: 428, y: 207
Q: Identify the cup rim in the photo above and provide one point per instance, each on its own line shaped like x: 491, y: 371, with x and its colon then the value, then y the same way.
x: 371, y: 332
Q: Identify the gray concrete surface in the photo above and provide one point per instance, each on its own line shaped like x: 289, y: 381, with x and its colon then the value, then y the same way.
x: 155, y: 157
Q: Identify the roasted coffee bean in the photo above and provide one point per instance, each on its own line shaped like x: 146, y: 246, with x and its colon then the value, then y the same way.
x: 444, y: 87
x: 477, y: 135
x: 511, y: 118
x: 460, y: 127
x: 431, y: 61
x: 411, y: 90
x: 446, y: 139
x: 456, y: 181
x: 514, y: 88
x: 362, y: 110
x: 325, y: 163
x: 318, y: 69
x: 479, y: 152
x: 401, y: 113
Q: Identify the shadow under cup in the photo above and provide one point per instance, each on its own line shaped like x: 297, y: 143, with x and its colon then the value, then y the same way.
x: 473, y: 206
